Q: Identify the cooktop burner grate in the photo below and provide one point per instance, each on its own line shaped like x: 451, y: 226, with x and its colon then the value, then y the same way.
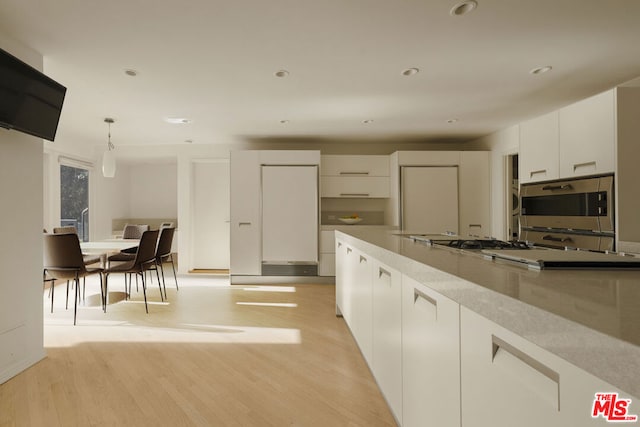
x: 481, y: 244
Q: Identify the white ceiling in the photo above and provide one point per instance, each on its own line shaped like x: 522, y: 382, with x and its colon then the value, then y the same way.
x: 214, y: 62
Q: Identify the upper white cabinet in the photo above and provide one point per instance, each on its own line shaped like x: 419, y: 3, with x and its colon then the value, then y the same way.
x: 577, y: 140
x: 348, y: 165
x: 587, y: 136
x: 539, y: 151
x: 475, y: 203
x: 354, y: 176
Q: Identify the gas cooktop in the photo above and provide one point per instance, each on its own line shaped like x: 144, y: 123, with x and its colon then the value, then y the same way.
x: 479, y: 244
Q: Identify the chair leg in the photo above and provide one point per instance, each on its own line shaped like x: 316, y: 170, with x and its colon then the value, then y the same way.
x: 104, y: 294
x: 84, y: 288
x: 159, y: 284
x: 66, y: 306
x: 164, y: 285
x: 174, y: 273
x: 144, y: 291
x: 77, y: 297
x: 52, y: 290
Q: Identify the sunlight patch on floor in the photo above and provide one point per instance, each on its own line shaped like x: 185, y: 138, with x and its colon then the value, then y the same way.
x: 270, y: 288
x: 268, y: 304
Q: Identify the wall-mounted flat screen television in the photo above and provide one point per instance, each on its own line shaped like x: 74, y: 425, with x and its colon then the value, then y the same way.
x: 30, y: 102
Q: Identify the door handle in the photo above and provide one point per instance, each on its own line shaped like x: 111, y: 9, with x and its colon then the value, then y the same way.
x: 354, y: 194
x: 244, y: 223
x: 354, y: 173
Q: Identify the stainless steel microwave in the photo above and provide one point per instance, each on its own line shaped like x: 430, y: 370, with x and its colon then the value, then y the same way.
x: 583, y: 206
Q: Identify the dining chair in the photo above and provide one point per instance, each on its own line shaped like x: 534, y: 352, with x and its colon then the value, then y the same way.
x: 134, y: 231
x: 88, y: 258
x: 163, y: 254
x: 63, y: 260
x: 144, y: 260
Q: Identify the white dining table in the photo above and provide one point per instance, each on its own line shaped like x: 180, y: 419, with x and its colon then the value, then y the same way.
x: 107, y: 247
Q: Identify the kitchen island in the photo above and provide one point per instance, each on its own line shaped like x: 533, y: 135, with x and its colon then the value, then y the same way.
x: 499, y: 339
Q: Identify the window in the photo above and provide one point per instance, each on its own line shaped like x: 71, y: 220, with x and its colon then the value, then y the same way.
x: 74, y: 199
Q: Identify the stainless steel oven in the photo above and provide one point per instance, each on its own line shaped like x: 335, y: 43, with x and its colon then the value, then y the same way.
x: 577, y: 213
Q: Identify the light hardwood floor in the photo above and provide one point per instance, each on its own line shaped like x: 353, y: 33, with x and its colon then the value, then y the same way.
x: 214, y: 355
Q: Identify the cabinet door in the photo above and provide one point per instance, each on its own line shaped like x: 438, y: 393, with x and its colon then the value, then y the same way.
x: 354, y: 186
x: 507, y: 380
x: 361, y: 300
x: 539, y: 149
x: 587, y: 136
x: 340, y: 271
x: 246, y: 231
x: 430, y: 357
x: 475, y: 196
x: 327, y: 263
x: 347, y: 165
x: 387, y: 334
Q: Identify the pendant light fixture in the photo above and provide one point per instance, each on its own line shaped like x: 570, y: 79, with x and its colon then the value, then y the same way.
x: 109, y: 156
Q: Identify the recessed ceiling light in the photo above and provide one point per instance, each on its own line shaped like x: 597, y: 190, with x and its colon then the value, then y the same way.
x: 366, y: 122
x: 188, y: 141
x: 463, y: 8
x: 281, y: 73
x: 130, y: 72
x: 410, y: 71
x: 541, y: 70
x: 452, y: 121
x: 177, y: 120
x: 284, y: 122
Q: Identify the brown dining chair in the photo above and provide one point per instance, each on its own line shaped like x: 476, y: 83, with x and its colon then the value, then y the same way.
x: 163, y: 254
x: 63, y: 260
x: 144, y: 260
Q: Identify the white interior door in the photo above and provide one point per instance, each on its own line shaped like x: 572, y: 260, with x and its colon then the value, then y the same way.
x: 290, y: 213
x: 429, y: 199
x: 211, y: 215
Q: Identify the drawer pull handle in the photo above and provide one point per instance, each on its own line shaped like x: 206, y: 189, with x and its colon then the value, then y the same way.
x: 538, y: 172
x: 383, y: 272
x: 557, y: 187
x: 354, y: 173
x: 419, y: 295
x: 363, y: 259
x: 243, y: 223
x: 499, y: 344
x: 584, y: 165
x: 349, y: 250
x: 354, y: 194
x: 551, y: 238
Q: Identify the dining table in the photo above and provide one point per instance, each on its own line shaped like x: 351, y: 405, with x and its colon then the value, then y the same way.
x: 107, y: 247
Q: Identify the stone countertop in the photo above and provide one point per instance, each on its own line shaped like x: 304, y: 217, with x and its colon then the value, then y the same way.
x: 590, y: 318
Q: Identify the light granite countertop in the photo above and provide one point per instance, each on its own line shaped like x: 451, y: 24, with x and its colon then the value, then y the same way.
x: 590, y: 318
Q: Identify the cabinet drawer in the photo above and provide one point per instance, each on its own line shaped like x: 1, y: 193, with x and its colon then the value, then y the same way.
x: 354, y: 165
x: 354, y: 186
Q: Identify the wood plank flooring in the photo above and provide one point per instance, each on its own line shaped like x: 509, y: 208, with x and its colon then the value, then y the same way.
x: 213, y: 355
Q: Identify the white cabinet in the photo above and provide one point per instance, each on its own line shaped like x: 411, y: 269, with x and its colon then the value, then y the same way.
x: 354, y: 176
x: 387, y: 334
x: 340, y: 255
x: 430, y: 357
x: 577, y: 140
x: 506, y: 381
x: 361, y: 297
x: 327, y: 264
x: 347, y: 165
x: 587, y: 136
x: 355, y: 293
x: 539, y: 149
x: 246, y: 231
x: 475, y: 204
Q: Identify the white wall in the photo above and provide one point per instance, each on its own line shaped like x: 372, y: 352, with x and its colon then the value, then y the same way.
x: 21, y: 178
x: 153, y: 190
x: 501, y: 144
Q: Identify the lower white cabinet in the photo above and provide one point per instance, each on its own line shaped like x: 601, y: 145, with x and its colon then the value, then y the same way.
x: 387, y: 334
x: 507, y: 381
x: 430, y: 357
x: 326, y: 262
x: 340, y: 256
x: 358, y: 300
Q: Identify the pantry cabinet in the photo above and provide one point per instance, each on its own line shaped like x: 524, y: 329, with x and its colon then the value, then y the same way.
x: 474, y: 188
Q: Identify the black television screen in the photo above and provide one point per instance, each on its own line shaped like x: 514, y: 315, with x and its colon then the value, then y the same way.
x: 29, y: 101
